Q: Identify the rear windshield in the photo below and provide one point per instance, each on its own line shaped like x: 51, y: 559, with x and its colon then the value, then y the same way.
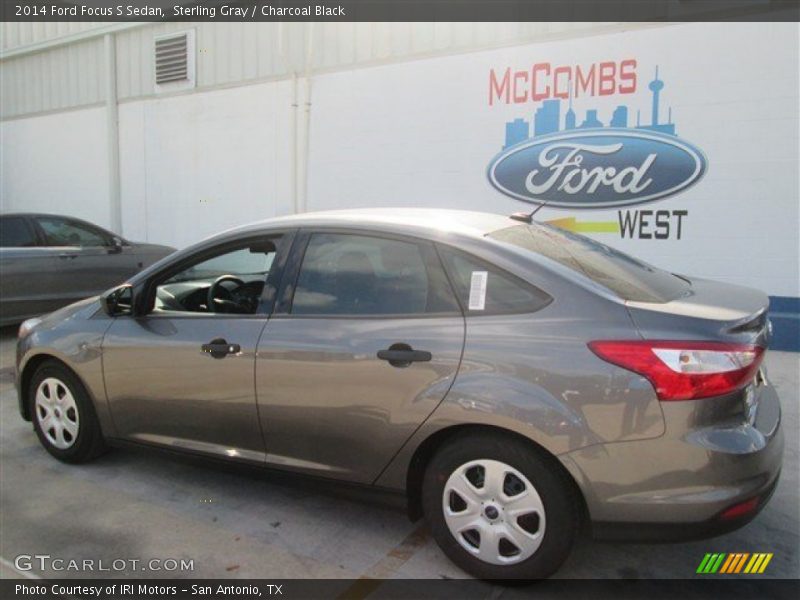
x: 629, y: 278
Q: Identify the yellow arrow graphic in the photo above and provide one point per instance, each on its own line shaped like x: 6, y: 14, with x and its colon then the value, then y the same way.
x: 572, y: 224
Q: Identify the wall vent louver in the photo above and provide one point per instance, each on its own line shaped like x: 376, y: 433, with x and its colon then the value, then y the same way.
x: 172, y: 58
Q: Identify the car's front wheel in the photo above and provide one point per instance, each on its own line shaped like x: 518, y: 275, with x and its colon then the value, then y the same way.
x: 499, y: 508
x: 63, y: 414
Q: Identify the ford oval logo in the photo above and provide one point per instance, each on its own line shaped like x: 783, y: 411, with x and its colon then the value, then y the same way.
x: 597, y: 169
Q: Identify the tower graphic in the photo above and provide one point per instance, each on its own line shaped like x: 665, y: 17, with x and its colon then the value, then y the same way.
x: 569, y: 120
x: 547, y: 118
x: 656, y: 86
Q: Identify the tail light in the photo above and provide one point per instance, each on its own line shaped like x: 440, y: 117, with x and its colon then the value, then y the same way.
x: 685, y: 370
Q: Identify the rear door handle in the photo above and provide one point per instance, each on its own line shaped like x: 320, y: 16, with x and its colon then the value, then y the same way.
x: 219, y: 348
x: 66, y: 255
x: 402, y: 355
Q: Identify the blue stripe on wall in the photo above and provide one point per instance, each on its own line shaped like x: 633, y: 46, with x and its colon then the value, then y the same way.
x: 784, y: 312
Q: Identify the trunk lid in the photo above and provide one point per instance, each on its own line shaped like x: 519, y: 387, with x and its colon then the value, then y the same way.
x: 709, y: 310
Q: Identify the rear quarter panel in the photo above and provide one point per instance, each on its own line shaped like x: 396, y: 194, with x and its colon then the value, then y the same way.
x: 533, y: 374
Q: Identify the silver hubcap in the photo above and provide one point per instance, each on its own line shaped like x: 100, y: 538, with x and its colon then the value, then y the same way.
x: 494, y: 512
x: 57, y: 413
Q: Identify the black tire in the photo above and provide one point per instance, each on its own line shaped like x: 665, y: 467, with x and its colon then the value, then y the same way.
x: 88, y: 443
x: 561, y: 506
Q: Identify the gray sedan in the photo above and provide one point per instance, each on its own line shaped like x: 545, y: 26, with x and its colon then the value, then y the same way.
x: 514, y: 381
x: 49, y: 261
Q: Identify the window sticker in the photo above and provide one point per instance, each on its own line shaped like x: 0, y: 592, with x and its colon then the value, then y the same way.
x: 477, y: 290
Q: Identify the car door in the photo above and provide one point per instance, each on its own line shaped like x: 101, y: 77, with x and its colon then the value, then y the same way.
x: 365, y: 343
x: 89, y: 261
x: 181, y: 375
x: 27, y: 268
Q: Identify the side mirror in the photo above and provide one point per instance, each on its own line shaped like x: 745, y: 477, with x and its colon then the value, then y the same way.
x: 119, y: 301
x: 116, y: 245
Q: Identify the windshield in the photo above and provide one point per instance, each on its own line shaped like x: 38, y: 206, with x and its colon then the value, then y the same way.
x: 628, y: 277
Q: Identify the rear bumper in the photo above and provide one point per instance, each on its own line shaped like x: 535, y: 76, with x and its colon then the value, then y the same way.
x: 678, y: 486
x: 679, y: 532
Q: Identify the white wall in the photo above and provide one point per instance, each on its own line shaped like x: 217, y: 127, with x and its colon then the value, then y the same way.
x: 190, y: 165
x: 196, y: 164
x: 423, y: 134
x: 56, y: 163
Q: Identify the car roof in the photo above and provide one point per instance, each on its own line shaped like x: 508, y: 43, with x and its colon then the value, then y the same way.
x: 31, y: 214
x: 34, y: 215
x: 422, y: 221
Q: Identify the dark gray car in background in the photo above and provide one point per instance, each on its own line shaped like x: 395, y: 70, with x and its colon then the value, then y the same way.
x: 49, y: 261
x: 513, y: 380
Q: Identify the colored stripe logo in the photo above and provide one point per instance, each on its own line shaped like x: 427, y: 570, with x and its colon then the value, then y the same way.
x: 734, y: 563
x: 572, y: 224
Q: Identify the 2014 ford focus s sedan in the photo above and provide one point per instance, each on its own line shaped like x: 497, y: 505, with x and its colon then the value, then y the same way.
x: 512, y: 379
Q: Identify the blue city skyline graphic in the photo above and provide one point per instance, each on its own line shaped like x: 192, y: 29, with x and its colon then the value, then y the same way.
x: 547, y: 119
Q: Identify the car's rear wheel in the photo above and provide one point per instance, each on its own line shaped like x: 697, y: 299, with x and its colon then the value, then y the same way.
x: 499, y: 508
x: 63, y: 414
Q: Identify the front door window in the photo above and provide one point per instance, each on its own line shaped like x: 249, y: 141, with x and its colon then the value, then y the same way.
x: 231, y: 282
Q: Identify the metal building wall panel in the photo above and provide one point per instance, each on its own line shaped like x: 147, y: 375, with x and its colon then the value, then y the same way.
x: 72, y: 75
x: 62, y: 77
x: 16, y: 35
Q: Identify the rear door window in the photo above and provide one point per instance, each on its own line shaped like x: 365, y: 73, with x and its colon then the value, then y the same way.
x: 349, y: 274
x: 16, y: 232
x: 626, y: 276
x: 486, y: 289
x: 63, y: 232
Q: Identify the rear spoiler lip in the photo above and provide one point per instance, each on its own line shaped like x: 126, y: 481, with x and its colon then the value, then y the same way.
x: 736, y: 318
x: 753, y: 328
x: 754, y: 322
x: 728, y: 304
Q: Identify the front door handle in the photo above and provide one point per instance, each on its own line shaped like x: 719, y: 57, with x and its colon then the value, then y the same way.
x: 219, y: 348
x: 66, y: 255
x: 402, y: 355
